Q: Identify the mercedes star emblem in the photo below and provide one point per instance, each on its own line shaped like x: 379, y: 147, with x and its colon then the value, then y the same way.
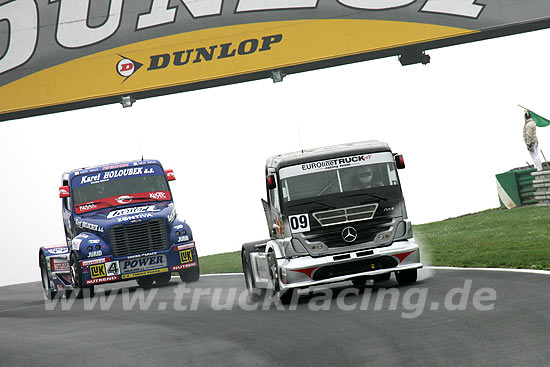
x: 349, y: 234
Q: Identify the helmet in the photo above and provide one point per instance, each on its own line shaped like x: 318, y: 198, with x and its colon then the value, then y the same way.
x: 364, y: 174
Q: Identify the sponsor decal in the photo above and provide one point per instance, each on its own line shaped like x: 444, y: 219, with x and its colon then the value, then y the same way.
x: 186, y: 256
x: 59, y: 265
x: 214, y: 53
x: 179, y: 226
x: 85, y: 225
x: 103, y: 280
x: 76, y: 243
x: 126, y: 67
x: 172, y: 216
x: 95, y: 253
x: 58, y: 250
x: 91, y: 242
x: 106, y: 176
x: 141, y: 255
x: 98, y: 271
x: 92, y: 262
x: 115, y: 166
x: 160, y: 195
x: 125, y: 199
x: 143, y: 263
x: 184, y: 266
x: 63, y: 192
x: 183, y: 238
x: 184, y: 247
x: 337, y: 163
x: 142, y: 273
x: 128, y: 211
x: 105, y: 270
x: 135, y: 218
x: 87, y: 207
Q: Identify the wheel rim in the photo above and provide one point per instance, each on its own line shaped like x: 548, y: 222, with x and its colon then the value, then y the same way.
x: 75, y: 272
x: 45, y: 279
x: 248, y: 276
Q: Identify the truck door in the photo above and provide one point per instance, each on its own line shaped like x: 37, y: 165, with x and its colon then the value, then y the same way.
x: 273, y: 215
x: 67, y: 214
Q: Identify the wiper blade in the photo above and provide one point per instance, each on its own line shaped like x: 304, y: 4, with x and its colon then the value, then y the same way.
x: 371, y: 195
x: 311, y: 202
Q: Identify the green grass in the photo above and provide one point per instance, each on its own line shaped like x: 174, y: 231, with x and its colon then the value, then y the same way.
x: 496, y: 238
x: 499, y: 238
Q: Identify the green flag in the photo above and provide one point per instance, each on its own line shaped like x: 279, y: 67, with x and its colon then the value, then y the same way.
x: 539, y: 120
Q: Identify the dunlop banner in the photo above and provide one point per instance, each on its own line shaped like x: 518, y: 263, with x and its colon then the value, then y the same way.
x: 64, y: 54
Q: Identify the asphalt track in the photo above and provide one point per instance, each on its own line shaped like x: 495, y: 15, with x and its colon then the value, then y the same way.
x: 516, y: 332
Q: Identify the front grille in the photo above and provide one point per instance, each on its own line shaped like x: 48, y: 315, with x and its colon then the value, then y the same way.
x: 354, y: 267
x: 346, y: 215
x: 366, y: 232
x: 138, y: 238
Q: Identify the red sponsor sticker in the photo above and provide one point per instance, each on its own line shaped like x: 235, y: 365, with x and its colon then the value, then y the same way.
x: 60, y: 265
x: 95, y: 261
x: 103, y: 280
x: 184, y: 266
x: 184, y: 247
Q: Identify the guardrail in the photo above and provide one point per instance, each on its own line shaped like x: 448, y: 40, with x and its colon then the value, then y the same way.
x: 541, y: 187
x: 523, y: 186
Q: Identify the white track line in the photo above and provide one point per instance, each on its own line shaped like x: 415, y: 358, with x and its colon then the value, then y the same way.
x: 21, y: 308
x: 530, y: 271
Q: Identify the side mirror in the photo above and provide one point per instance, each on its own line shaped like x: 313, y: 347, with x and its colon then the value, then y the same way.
x: 64, y: 192
x: 270, y: 182
x: 399, y: 161
x: 170, y: 175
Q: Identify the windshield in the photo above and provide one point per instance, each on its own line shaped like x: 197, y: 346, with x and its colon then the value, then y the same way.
x: 122, y: 182
x: 326, y: 179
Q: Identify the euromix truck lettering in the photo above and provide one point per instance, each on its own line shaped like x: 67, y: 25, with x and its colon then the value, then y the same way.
x: 73, y: 30
x: 335, y: 162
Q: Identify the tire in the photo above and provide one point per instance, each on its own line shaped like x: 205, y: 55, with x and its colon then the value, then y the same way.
x: 145, y: 282
x: 359, y: 282
x: 381, y: 277
x: 254, y: 294
x: 48, y: 292
x: 76, y: 273
x: 406, y: 276
x: 286, y: 297
x: 163, y: 278
x: 190, y: 275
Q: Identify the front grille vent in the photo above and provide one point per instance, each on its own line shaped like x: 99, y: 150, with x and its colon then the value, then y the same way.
x: 138, y: 238
x: 346, y: 215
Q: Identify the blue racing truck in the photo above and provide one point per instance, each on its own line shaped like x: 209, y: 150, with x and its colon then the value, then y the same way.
x: 120, y: 224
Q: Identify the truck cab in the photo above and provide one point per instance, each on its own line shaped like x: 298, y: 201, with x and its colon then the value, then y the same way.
x: 334, y: 213
x: 120, y: 223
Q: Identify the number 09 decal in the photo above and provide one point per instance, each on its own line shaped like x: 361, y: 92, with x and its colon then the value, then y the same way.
x: 299, y: 223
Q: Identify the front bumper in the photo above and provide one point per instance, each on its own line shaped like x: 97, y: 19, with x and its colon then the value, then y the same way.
x: 111, y: 269
x: 307, y: 271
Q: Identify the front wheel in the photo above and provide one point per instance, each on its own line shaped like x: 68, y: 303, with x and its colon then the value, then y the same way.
x: 78, y: 284
x: 50, y: 293
x: 254, y: 294
x: 406, y: 276
x: 145, y: 282
x: 163, y: 278
x: 190, y: 275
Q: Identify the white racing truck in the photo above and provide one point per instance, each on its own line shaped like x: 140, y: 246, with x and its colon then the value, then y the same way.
x: 334, y: 214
